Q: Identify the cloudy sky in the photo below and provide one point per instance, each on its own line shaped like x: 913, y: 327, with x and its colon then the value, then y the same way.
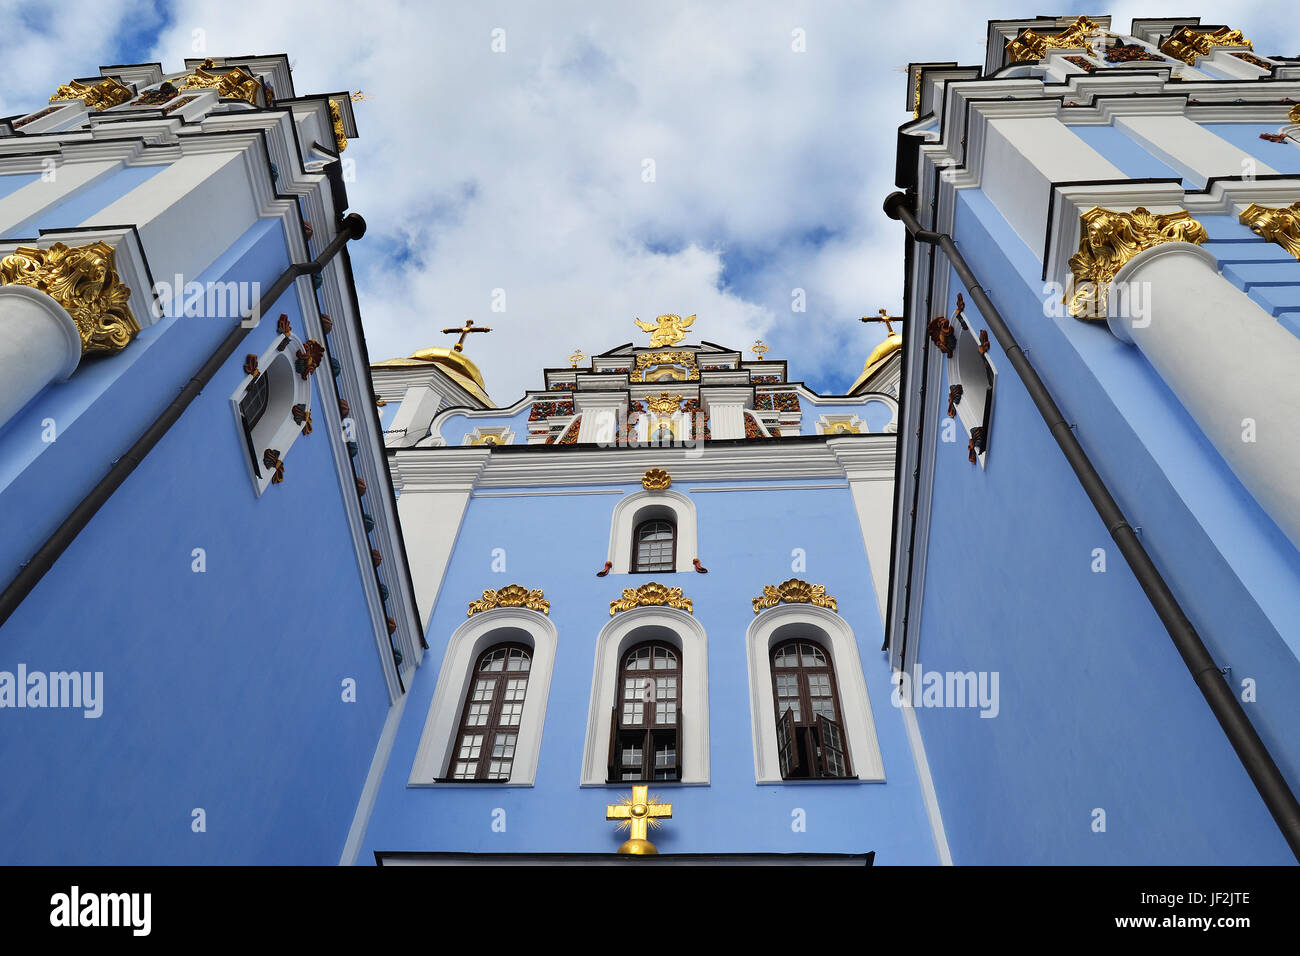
x: 598, y: 161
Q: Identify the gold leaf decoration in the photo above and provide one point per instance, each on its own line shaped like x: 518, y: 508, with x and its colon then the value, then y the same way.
x: 84, y: 281
x: 1032, y: 45
x: 1187, y: 43
x: 236, y: 83
x: 1276, y: 225
x: 103, y: 95
x: 655, y: 479
x: 651, y: 595
x: 794, y: 591
x: 1110, y: 239
x: 340, y: 134
x: 664, y: 404
x: 512, y: 595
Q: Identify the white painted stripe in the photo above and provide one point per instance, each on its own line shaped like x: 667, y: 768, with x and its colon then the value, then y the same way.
x: 370, y: 792
x: 927, y: 785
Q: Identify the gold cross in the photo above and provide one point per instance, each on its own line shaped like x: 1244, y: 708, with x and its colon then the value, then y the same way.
x: 636, y: 813
x: 466, y: 330
x: 758, y: 348
x: 575, y: 358
x: 359, y: 97
x: 889, y: 320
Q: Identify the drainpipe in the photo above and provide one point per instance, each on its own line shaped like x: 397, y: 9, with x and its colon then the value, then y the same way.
x: 353, y: 227
x: 1252, y: 753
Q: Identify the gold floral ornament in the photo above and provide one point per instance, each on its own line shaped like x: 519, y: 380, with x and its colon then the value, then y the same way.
x: 664, y: 404
x: 103, y: 95
x: 1276, y: 225
x: 236, y: 83
x: 655, y: 479
x: 1032, y: 45
x: 1294, y: 115
x: 666, y: 330
x: 794, y: 591
x: 1110, y: 239
x: 1187, y: 43
x: 651, y: 595
x: 340, y: 134
x: 84, y: 281
x: 512, y: 595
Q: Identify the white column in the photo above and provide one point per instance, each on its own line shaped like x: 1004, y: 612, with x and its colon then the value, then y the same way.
x: 1189, y: 147
x: 726, y: 410
x: 600, y: 413
x: 415, y: 414
x: 39, y: 344
x: 1230, y: 362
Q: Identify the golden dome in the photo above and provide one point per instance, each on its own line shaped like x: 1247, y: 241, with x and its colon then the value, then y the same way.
x: 457, y: 366
x: 893, y: 342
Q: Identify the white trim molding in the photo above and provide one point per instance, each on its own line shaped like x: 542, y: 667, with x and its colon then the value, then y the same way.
x: 471, y: 639
x: 643, y: 505
x: 683, y: 632
x: 276, y: 428
x: 787, y: 621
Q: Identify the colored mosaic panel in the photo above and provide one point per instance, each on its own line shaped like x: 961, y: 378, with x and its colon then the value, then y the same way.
x: 548, y: 409
x: 1086, y: 65
x: 35, y: 116
x: 1127, y: 54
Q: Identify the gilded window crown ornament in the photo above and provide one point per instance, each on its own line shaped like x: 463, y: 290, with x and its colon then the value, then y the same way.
x: 1032, y: 45
x: 1280, y: 225
x: 651, y: 595
x: 794, y: 591
x: 655, y: 479
x: 512, y: 595
x: 666, y: 329
x: 103, y: 95
x: 1109, y: 240
x: 1187, y: 43
x: 340, y: 134
x: 84, y: 281
x: 647, y: 360
x: 236, y: 83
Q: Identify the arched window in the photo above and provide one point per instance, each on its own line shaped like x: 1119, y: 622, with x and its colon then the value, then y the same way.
x: 645, y: 736
x: 810, y: 729
x: 489, y: 725
x: 654, y: 546
x: 264, y: 406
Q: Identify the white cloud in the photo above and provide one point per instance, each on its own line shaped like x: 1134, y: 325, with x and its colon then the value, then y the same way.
x: 522, y: 170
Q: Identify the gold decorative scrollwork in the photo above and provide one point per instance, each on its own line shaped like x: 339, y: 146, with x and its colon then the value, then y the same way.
x: 340, y: 134
x: 235, y: 83
x: 1280, y: 225
x: 84, y: 281
x: 512, y: 595
x: 1110, y: 239
x: 664, y: 404
x: 1187, y: 43
x: 655, y: 479
x: 648, y: 360
x: 651, y: 595
x: 1032, y: 45
x: 794, y: 591
x: 103, y: 95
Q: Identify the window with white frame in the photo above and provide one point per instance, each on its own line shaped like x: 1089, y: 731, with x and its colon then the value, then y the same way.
x: 272, y: 407
x: 809, y: 709
x: 653, y: 531
x: 648, y: 717
x: 971, y: 378
x: 485, y: 720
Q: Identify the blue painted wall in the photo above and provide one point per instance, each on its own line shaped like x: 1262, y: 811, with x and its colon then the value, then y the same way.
x: 73, y: 209
x: 746, y: 541
x: 1097, y: 709
x: 223, y: 689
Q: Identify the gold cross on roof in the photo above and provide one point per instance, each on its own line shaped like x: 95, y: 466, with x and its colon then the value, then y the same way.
x: 889, y: 320
x: 464, y: 331
x: 758, y: 348
x: 636, y: 813
x: 575, y: 358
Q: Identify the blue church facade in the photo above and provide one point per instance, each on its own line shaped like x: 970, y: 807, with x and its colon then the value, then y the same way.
x: 270, y: 601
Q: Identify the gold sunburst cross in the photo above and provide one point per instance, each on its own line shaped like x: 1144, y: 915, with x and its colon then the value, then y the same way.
x: 636, y: 813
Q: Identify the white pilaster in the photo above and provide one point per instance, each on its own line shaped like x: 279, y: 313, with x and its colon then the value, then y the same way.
x: 1231, y: 364
x: 726, y: 410
x: 39, y: 344
x: 419, y: 405
x: 1189, y: 147
x: 600, y: 413
x: 59, y: 183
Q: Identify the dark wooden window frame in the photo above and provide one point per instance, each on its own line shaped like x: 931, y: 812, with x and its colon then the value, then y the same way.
x: 252, y: 406
x: 634, y: 565
x: 492, y: 727
x: 802, y: 749
x: 649, y: 733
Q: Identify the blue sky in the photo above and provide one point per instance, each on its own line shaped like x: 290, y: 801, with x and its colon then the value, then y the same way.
x: 524, y: 169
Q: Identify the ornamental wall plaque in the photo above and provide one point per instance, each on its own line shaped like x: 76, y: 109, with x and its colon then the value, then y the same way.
x: 512, y: 595
x: 794, y: 591
x: 1279, y: 225
x: 651, y: 595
